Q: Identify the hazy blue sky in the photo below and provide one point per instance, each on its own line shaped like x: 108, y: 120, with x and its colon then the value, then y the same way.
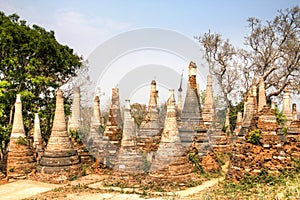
x: 84, y: 25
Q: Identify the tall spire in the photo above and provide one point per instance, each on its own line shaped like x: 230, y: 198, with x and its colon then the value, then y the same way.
x: 208, y: 112
x: 150, y: 126
x: 180, y: 86
x: 179, y: 105
x: 191, y: 111
x: 115, y: 106
x: 18, y: 126
x: 286, y: 107
x: 97, y: 112
x: 76, y: 113
x: 20, y: 159
x: 129, y: 129
x: 170, y: 133
x: 37, y: 136
x: 153, y: 96
x: 261, y: 95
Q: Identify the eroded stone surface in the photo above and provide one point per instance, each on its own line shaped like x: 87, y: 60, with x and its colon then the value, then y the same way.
x: 20, y: 156
x: 130, y: 158
x: 151, y: 125
x: 60, y: 155
x: 170, y: 161
x: 75, y: 122
x: 191, y: 113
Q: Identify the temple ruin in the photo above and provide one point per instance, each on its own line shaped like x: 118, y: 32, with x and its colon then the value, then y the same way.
x: 20, y: 156
x: 59, y: 155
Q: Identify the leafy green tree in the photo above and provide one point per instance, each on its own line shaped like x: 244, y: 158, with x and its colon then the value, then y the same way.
x: 33, y: 64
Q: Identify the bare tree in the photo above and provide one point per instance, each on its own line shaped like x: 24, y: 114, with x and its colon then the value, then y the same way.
x: 220, y: 55
x: 275, y: 51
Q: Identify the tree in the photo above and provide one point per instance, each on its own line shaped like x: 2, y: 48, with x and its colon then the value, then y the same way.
x: 220, y: 54
x: 33, y: 64
x: 275, y: 51
x: 274, y: 55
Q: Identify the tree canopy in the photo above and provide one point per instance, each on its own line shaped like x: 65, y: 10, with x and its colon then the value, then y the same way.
x: 33, y: 64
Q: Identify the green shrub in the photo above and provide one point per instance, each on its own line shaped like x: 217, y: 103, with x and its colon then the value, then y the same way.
x: 22, y: 141
x: 280, y: 117
x: 254, y: 136
x: 284, y: 130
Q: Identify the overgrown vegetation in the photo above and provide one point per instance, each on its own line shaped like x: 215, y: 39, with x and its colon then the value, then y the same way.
x: 261, y: 186
x: 22, y: 141
x: 34, y: 65
x: 254, y: 136
x: 280, y: 117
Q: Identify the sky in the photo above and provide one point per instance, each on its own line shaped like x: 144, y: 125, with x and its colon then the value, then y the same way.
x: 86, y: 25
x: 83, y: 25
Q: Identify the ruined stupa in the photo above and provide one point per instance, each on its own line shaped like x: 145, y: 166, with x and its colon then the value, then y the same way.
x: 59, y: 155
x: 262, y: 100
x: 115, y: 106
x: 96, y: 134
x: 20, y: 156
x: 75, y: 122
x: 97, y: 112
x: 191, y: 112
x: 170, y: 161
x: 286, y: 107
x: 151, y: 125
x: 292, y: 140
x: 257, y: 153
x: 129, y: 158
x: 37, y: 136
x: 114, y: 121
x: 208, y: 112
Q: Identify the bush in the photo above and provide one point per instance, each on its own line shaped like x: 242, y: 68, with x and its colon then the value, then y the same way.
x: 254, y: 136
x: 22, y: 141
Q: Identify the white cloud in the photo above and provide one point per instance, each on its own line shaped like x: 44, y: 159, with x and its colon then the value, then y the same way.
x: 84, y: 33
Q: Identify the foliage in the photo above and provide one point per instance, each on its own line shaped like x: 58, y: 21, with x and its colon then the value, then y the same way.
x: 280, y: 117
x: 285, y: 130
x: 286, y: 185
x: 34, y: 65
x: 234, y: 112
x: 195, y: 160
x: 275, y: 50
x: 76, y: 135
x: 138, y: 112
x: 146, y: 165
x: 254, y: 136
x: 22, y: 141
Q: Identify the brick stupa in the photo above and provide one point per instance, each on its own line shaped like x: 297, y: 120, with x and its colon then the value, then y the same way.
x: 151, y: 126
x: 208, y: 113
x: 191, y: 112
x: 170, y: 161
x: 113, y: 126
x: 20, y: 158
x: 60, y: 155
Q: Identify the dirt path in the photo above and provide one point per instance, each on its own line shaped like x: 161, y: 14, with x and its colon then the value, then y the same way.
x: 24, y: 189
